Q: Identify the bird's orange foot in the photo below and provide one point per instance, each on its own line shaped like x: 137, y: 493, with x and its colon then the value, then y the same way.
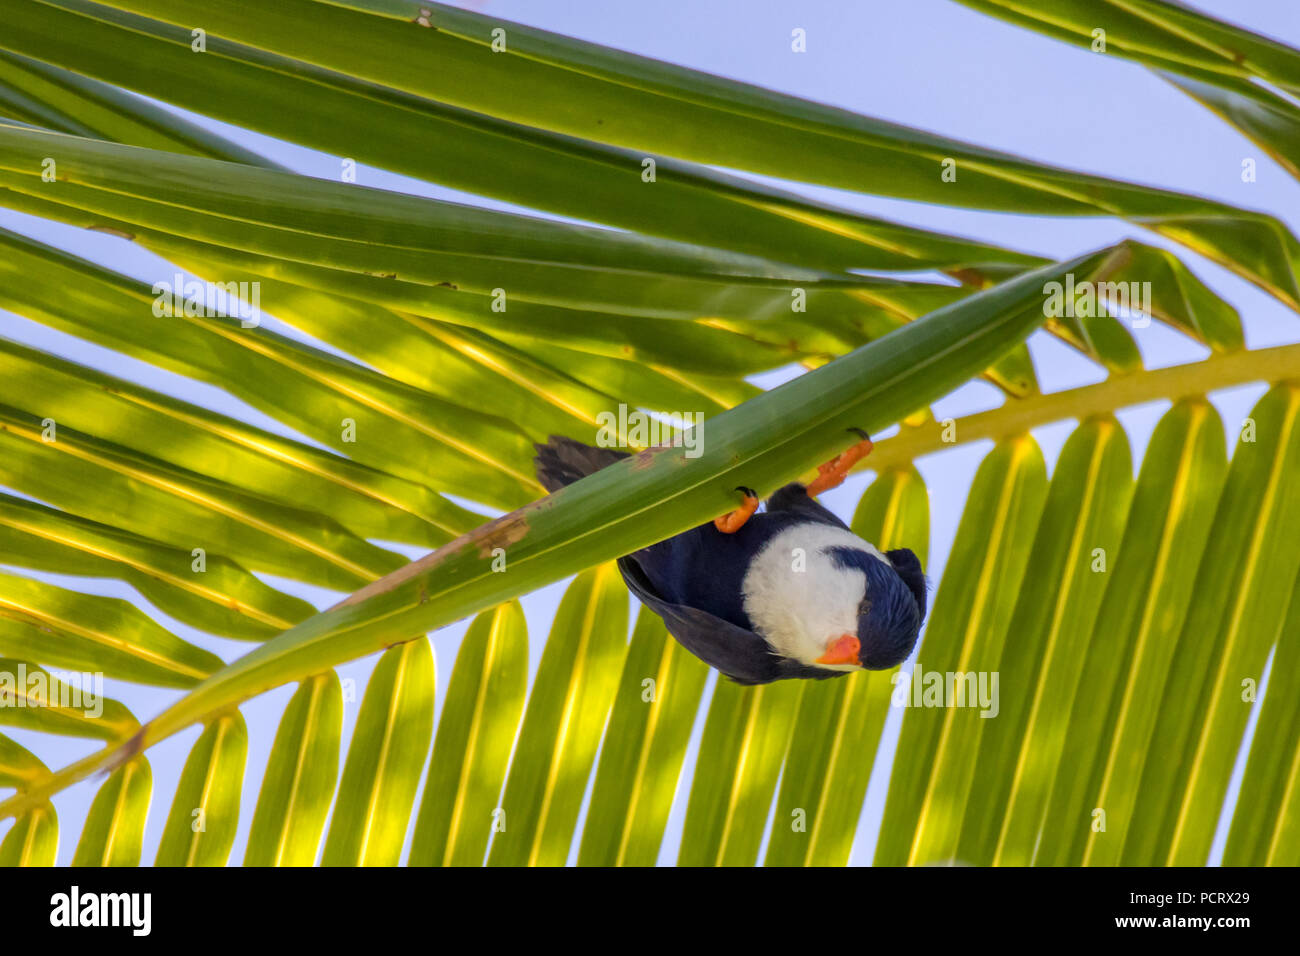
x: 733, y: 521
x: 831, y: 474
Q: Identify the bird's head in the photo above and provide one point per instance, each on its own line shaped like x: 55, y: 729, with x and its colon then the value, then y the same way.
x: 889, y: 612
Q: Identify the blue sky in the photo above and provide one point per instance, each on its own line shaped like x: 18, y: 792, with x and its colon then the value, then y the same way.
x: 931, y: 64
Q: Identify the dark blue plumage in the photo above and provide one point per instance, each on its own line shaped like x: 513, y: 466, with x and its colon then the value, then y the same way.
x: 888, y: 629
x: 696, y: 581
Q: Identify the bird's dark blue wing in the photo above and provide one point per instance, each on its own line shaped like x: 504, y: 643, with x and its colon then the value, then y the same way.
x: 908, y: 566
x: 739, y: 653
x: 793, y: 499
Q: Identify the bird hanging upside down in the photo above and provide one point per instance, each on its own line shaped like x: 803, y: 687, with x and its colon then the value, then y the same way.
x: 790, y: 592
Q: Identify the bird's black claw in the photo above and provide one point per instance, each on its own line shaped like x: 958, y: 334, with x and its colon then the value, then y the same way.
x: 861, y: 434
x: 735, y: 519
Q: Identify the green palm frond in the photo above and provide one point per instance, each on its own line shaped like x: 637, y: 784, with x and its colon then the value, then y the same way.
x: 404, y: 353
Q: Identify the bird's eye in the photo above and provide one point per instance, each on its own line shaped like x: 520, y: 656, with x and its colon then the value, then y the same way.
x: 863, y: 608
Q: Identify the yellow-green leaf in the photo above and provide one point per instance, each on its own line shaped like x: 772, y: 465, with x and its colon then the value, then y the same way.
x: 34, y: 699
x: 744, y: 744
x: 1237, y: 610
x: 57, y: 627
x: 18, y: 765
x: 201, y: 826
x: 1110, y: 728
x: 299, y: 781
x: 562, y: 727
x: 33, y: 840
x: 1075, y: 547
x: 114, y: 828
x: 641, y: 760
x: 389, y: 746
x: 475, y: 735
x: 959, y: 652
x: 1266, y: 826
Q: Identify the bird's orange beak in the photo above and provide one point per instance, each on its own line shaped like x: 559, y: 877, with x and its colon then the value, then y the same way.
x: 843, y: 650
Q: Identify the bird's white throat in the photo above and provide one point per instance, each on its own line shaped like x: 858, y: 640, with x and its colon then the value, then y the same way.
x: 798, y: 597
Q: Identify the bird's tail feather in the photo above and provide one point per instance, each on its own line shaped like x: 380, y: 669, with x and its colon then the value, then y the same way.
x: 562, y: 461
